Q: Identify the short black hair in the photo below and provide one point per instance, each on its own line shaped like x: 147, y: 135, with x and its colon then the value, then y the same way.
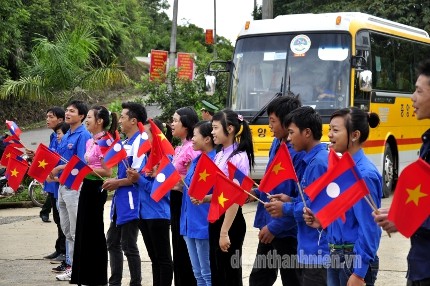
x: 306, y: 117
x: 135, y: 110
x: 283, y: 105
x: 57, y: 111
x: 81, y: 106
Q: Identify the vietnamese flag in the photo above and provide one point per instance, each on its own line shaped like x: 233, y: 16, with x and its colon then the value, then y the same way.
x: 144, y: 144
x: 43, y: 162
x: 411, y: 201
x: 9, y: 152
x: 336, y: 191
x: 115, y: 154
x: 245, y: 182
x: 225, y: 194
x: 13, y: 141
x: 15, y: 172
x: 74, y: 173
x: 204, y: 177
x: 13, y: 128
x: 160, y: 146
x: 279, y: 170
x: 333, y: 159
x: 167, y: 177
x: 106, y: 141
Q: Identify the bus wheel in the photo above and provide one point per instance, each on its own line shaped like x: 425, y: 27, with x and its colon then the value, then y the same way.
x: 388, y: 172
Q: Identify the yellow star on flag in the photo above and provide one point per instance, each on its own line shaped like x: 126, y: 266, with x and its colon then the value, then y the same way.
x: 203, y: 175
x: 277, y: 168
x: 415, y: 195
x: 8, y: 155
x: 162, y: 137
x: 14, y: 173
x: 222, y: 200
x: 42, y: 164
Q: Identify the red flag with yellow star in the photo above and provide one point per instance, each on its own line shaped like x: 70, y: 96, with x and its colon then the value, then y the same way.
x: 15, y: 172
x: 9, y: 152
x: 279, y: 170
x: 411, y: 201
x: 204, y: 177
x: 43, y: 162
x: 225, y: 194
x: 160, y: 146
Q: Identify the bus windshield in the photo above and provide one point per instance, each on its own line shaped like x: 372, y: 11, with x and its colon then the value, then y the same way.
x: 314, y: 66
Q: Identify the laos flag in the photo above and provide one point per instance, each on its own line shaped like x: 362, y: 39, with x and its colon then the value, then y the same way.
x: 74, y: 173
x: 13, y: 128
x: 167, y: 177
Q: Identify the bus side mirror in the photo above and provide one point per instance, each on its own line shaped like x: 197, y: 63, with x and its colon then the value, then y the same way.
x: 365, y: 81
x: 210, y: 84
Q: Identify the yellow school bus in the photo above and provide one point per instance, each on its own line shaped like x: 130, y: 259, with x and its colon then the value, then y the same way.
x: 332, y: 61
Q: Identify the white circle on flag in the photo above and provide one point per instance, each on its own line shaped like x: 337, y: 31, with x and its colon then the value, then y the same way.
x: 160, y: 178
x: 236, y: 181
x: 74, y: 172
x: 109, y: 142
x: 145, y: 136
x: 333, y: 190
x: 117, y: 147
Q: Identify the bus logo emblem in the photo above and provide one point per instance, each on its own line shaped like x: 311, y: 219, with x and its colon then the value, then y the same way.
x: 300, y: 44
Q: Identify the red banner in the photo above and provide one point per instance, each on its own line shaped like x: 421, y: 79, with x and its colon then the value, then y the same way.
x: 186, y: 66
x: 209, y: 37
x: 158, y: 64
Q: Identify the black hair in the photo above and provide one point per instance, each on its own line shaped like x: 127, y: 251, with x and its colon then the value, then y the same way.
x: 424, y: 69
x: 188, y: 118
x: 241, y: 129
x: 57, y: 111
x: 81, y: 106
x: 357, y: 119
x: 63, y: 126
x: 135, y: 110
x: 101, y: 112
x: 283, y: 105
x: 305, y: 117
x: 205, y: 129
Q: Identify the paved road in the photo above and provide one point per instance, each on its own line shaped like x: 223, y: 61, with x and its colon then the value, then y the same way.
x: 25, y: 239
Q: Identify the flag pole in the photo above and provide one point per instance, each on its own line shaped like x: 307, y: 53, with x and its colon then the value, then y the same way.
x: 373, y: 207
x: 301, y: 194
x: 249, y: 194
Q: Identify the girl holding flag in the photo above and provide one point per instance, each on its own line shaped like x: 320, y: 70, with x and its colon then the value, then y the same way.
x: 357, y: 236
x: 194, y: 223
x: 226, y: 235
x: 90, y: 257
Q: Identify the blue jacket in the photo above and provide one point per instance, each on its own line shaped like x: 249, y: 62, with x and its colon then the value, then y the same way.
x: 74, y: 143
x: 125, y: 201
x: 52, y: 187
x: 419, y: 254
x: 359, y: 227
x: 150, y: 209
x: 194, y: 222
x: 285, y: 226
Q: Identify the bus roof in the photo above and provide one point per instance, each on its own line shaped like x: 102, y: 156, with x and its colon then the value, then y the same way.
x: 327, y: 22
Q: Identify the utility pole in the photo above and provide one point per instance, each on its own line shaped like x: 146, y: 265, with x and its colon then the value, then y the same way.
x: 267, y: 9
x: 172, y: 52
x: 215, y: 55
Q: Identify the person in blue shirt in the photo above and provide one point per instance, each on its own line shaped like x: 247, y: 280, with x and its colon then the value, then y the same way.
x: 277, y: 236
x: 419, y: 255
x: 304, y: 134
x: 123, y: 230
x: 73, y: 143
x: 354, y: 242
x: 154, y: 222
x: 194, y: 226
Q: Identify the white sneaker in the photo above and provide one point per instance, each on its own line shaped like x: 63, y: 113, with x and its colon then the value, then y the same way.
x: 66, y: 276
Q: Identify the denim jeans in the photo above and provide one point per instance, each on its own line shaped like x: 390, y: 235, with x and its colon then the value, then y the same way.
x: 68, y: 200
x: 198, y: 250
x: 339, y: 274
x: 124, y: 238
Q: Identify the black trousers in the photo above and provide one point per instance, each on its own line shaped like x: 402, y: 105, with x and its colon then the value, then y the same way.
x: 226, y: 267
x: 270, y: 257
x: 156, y: 236
x: 184, y: 275
x: 46, y: 208
x: 424, y: 282
x: 60, y: 242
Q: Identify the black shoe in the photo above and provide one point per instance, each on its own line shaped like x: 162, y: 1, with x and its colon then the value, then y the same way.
x: 45, y: 218
x: 60, y: 268
x: 52, y: 255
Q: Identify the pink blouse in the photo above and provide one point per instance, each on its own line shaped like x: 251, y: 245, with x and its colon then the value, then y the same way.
x: 93, y: 154
x: 184, y: 154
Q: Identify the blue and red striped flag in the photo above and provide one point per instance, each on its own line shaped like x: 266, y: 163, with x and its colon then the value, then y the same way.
x: 167, y: 177
x: 13, y: 128
x: 74, y: 173
x: 115, y: 154
x: 144, y: 144
x: 106, y: 141
x: 13, y: 141
x: 239, y: 178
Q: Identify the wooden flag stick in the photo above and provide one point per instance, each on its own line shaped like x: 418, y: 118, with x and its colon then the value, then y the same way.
x: 301, y: 194
x: 249, y: 194
x: 374, y: 208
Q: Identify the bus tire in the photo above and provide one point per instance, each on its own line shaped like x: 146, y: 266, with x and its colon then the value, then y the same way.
x: 387, y: 172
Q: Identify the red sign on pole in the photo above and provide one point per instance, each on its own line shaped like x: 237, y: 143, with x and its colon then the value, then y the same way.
x: 209, y: 36
x: 158, y: 64
x: 186, y: 66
